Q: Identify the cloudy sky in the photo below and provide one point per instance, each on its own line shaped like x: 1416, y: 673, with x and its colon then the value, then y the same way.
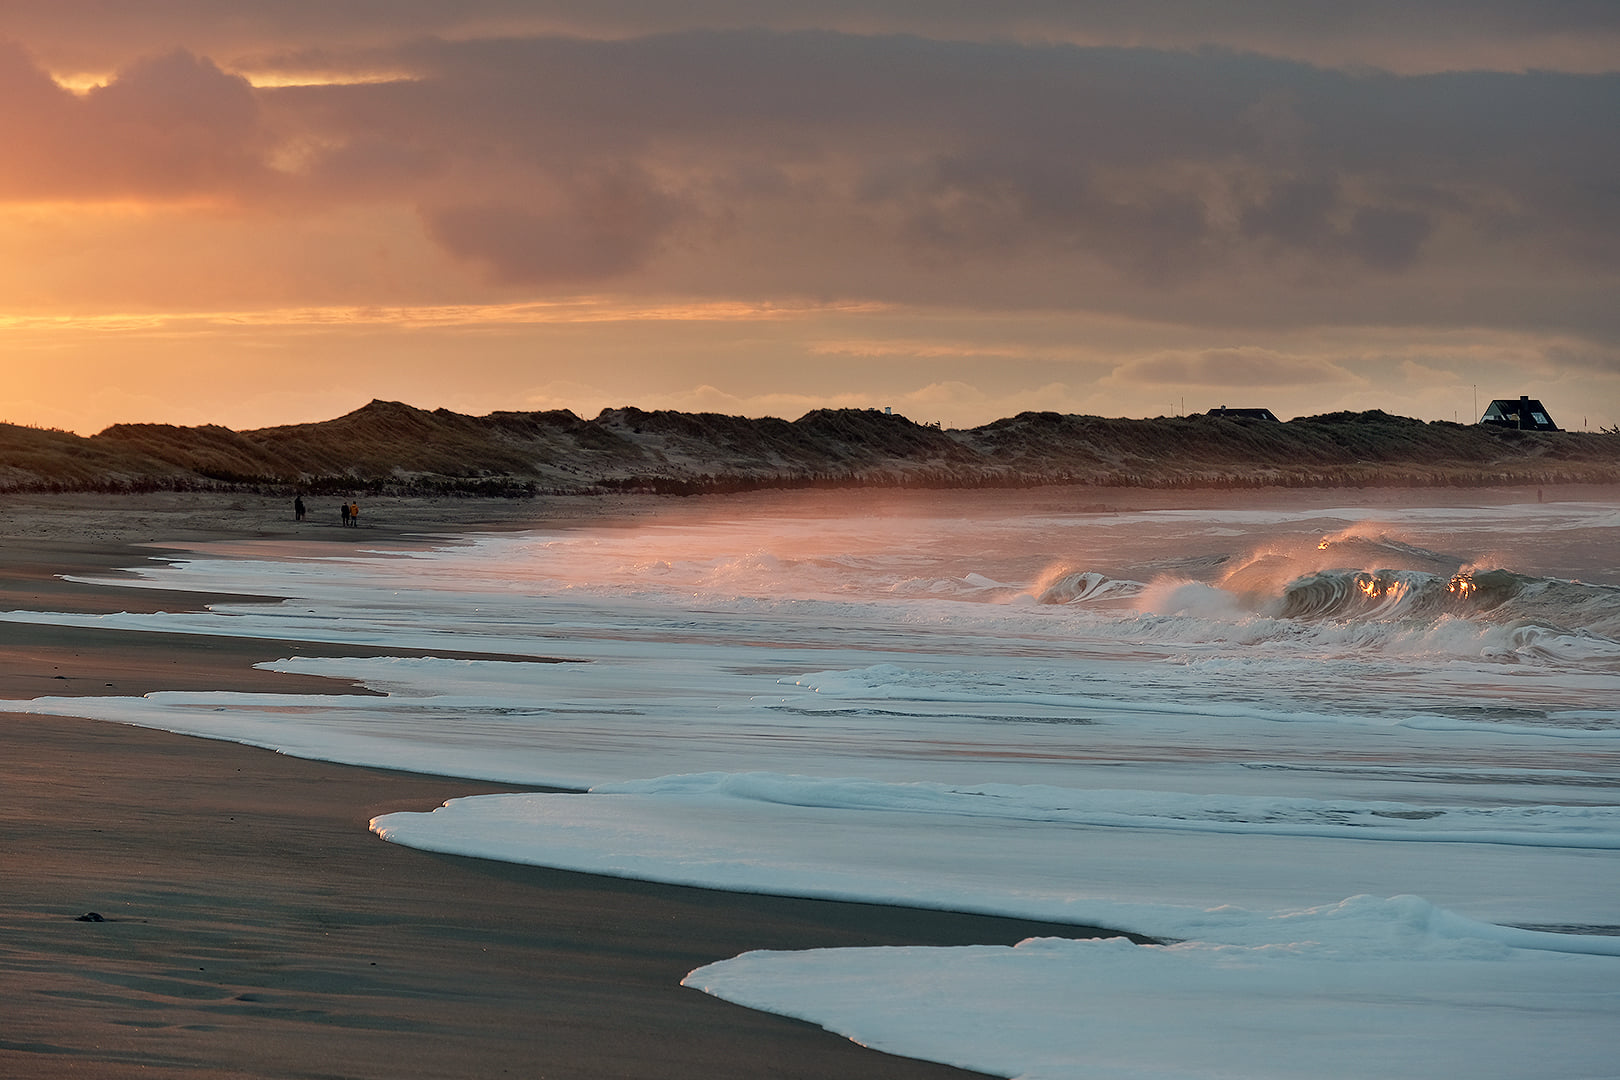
x: 249, y: 214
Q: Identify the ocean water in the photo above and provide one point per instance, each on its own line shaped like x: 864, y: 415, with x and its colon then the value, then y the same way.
x: 1358, y: 767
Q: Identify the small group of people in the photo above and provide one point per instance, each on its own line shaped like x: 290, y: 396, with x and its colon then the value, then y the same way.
x: 349, y: 512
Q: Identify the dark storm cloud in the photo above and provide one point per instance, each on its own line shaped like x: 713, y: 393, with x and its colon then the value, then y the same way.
x: 597, y: 227
x: 1387, y: 239
x: 1586, y: 357
x: 169, y: 126
x: 1245, y: 367
x: 556, y: 159
x: 1308, y: 214
x: 1429, y: 36
x: 991, y: 206
x: 965, y: 149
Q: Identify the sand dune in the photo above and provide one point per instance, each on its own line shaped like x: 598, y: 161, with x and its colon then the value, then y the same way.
x: 392, y: 448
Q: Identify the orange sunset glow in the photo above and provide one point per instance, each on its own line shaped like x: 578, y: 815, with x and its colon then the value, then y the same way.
x: 272, y: 213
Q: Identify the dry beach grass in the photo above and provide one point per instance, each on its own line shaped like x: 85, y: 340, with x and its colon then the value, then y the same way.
x: 390, y: 447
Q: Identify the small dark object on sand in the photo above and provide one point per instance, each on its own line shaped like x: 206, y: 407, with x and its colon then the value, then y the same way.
x: 90, y: 916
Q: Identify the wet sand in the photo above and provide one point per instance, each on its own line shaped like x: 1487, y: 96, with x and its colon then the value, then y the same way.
x: 253, y: 927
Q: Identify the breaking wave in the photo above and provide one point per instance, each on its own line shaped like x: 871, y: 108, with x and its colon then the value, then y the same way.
x: 1494, y: 614
x: 1084, y: 587
x: 1501, y: 597
x: 1390, y: 594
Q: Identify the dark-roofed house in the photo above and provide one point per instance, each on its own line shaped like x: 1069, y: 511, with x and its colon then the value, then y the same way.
x: 1525, y: 414
x: 1244, y: 414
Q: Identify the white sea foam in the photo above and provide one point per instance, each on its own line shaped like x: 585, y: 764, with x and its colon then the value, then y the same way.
x: 868, y: 702
x: 1373, y: 993
x: 1595, y: 827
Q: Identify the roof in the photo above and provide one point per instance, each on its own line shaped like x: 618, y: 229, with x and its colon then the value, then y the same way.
x: 1247, y: 414
x: 1525, y: 413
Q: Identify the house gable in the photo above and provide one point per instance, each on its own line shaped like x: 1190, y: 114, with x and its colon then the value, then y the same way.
x: 1243, y: 414
x: 1525, y: 413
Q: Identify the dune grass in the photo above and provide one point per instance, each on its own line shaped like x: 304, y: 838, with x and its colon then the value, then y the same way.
x: 388, y: 447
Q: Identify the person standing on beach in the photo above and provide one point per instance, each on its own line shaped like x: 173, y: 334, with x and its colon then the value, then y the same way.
x: 354, y: 515
x: 298, y: 508
x: 343, y: 508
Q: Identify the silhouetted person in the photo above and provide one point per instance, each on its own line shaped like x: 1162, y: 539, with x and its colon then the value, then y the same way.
x: 343, y: 508
x: 298, y: 508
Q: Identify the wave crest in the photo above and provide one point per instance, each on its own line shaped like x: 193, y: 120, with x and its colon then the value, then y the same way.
x: 1084, y: 586
x: 1497, y: 596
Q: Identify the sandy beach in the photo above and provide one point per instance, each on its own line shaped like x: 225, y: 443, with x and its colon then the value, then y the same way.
x: 255, y: 928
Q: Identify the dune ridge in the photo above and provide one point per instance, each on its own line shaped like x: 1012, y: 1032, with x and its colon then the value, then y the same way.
x: 391, y: 448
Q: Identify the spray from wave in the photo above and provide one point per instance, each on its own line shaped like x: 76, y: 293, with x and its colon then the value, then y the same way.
x: 1360, y: 589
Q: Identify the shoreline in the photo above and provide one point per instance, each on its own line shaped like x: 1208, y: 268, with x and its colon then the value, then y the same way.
x: 254, y: 927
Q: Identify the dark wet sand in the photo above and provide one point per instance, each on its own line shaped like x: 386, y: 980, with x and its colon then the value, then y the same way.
x: 255, y: 928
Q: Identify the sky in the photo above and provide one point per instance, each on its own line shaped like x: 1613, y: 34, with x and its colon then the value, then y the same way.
x: 270, y: 213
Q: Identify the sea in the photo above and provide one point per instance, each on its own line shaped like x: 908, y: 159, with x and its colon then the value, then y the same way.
x: 1350, y: 758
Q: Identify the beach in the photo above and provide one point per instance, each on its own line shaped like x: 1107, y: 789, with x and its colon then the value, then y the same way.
x: 665, y: 780
x: 253, y: 927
